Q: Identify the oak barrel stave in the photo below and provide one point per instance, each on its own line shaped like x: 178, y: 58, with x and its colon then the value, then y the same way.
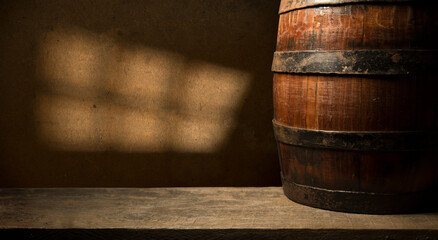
x: 383, y: 181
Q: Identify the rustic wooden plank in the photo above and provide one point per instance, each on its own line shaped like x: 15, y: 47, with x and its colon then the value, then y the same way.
x: 183, y: 208
x: 233, y: 212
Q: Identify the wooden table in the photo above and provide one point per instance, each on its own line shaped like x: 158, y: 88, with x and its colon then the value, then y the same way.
x: 191, y: 213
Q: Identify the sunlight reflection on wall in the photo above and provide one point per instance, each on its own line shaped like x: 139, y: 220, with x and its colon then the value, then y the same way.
x: 96, y: 94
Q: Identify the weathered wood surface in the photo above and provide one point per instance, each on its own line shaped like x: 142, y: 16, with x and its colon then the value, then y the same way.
x: 290, y: 5
x: 183, y: 208
x: 197, y: 213
x: 313, y: 95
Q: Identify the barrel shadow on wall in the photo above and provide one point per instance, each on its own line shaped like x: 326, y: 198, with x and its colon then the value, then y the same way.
x: 143, y: 94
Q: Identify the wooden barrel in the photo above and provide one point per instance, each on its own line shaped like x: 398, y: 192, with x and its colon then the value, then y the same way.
x: 355, y: 104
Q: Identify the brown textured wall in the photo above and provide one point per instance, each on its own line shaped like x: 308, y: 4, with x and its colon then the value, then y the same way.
x: 137, y: 93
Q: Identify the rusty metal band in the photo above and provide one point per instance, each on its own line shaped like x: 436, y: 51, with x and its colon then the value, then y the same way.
x: 289, y: 5
x: 355, y: 141
x: 366, y: 62
x: 359, y: 202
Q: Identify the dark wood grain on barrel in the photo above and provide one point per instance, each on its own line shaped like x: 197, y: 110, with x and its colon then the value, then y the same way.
x: 349, y: 103
x: 358, y: 102
x: 353, y: 27
x: 290, y: 5
x: 355, y: 171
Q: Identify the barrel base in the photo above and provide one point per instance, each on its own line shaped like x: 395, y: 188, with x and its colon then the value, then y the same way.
x: 359, y: 202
